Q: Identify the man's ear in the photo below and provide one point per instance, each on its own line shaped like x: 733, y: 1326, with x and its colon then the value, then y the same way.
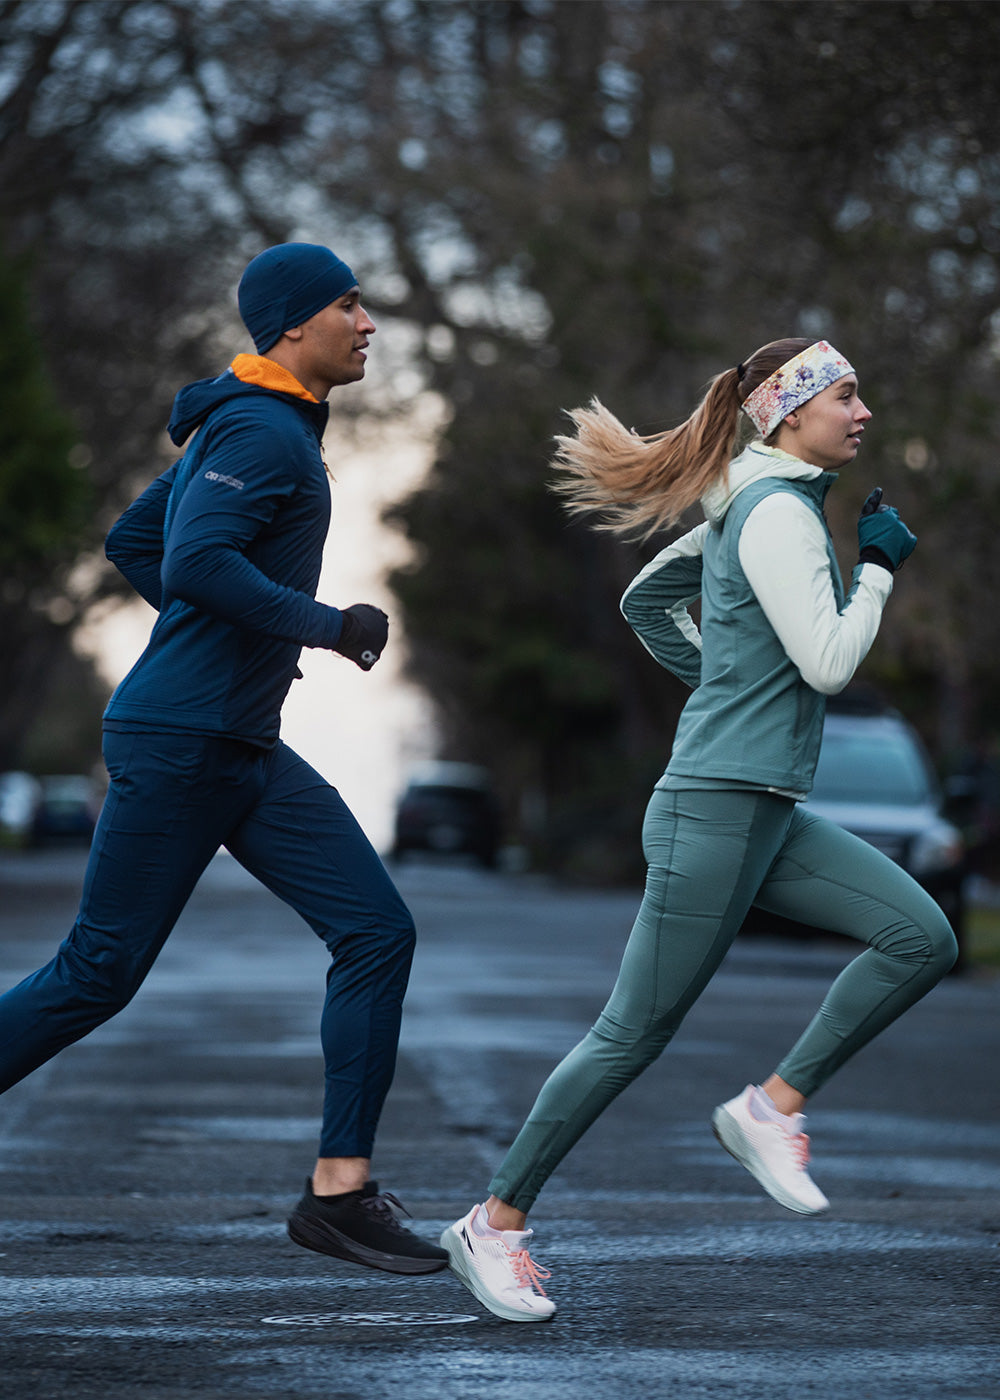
x: 293, y: 333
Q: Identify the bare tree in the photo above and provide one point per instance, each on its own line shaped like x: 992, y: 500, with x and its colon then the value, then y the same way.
x: 555, y: 200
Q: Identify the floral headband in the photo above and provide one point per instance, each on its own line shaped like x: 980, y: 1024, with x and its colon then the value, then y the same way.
x: 795, y: 383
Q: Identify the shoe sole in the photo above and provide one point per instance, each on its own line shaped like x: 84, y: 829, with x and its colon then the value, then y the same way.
x: 324, y: 1239
x: 456, y: 1254
x: 730, y: 1135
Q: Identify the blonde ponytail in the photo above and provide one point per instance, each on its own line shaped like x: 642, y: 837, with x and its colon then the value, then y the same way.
x: 639, y: 484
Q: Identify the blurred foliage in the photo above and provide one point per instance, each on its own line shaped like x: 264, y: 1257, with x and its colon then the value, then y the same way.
x: 43, y: 496
x: 44, y: 507
x: 984, y: 937
x: 545, y: 200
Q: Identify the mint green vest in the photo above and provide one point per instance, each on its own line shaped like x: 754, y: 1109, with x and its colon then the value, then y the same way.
x: 752, y: 720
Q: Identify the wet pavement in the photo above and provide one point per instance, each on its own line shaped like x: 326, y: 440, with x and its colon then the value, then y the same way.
x: 146, y: 1173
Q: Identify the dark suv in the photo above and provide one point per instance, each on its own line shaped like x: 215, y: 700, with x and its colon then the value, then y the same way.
x: 874, y: 778
x: 449, y: 809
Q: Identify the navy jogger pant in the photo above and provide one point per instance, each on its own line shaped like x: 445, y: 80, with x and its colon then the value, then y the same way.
x: 173, y: 800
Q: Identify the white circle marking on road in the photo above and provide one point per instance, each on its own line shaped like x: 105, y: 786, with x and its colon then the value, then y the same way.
x: 376, y: 1319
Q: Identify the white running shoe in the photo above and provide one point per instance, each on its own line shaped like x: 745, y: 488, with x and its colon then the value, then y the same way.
x: 776, y: 1154
x: 499, y: 1270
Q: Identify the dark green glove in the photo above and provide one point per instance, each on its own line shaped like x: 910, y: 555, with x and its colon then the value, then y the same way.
x: 363, y: 634
x: 882, y: 537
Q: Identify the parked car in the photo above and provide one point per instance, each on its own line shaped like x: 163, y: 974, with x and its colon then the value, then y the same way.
x: 19, y: 797
x: 450, y: 809
x: 67, y: 808
x: 874, y: 778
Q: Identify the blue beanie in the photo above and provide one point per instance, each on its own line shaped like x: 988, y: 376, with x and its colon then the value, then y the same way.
x: 285, y: 285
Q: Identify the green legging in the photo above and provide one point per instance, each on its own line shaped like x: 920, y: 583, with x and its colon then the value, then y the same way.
x: 712, y: 854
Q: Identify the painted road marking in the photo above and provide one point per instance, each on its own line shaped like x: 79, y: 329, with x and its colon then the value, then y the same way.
x: 376, y: 1319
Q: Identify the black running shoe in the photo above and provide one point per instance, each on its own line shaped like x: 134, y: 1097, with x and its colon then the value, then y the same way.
x: 362, y: 1226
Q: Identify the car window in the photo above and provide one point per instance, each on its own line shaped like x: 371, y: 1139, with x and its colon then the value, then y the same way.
x: 882, y: 767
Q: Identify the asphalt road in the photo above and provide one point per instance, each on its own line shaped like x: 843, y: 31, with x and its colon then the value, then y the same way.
x: 147, y: 1172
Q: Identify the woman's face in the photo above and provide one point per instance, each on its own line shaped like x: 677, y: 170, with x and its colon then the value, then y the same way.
x: 827, y: 430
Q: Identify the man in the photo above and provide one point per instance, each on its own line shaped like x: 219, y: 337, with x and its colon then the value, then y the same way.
x: 227, y: 546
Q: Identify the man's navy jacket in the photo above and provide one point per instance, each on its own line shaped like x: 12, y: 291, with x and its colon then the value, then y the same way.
x: 227, y: 545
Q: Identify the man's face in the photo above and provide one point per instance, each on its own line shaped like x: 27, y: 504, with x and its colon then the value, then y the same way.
x: 828, y: 429
x: 335, y: 339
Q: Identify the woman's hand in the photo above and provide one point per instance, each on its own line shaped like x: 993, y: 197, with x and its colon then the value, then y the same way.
x: 883, y: 539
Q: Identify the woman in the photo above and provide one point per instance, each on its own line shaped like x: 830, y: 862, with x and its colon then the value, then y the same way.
x: 723, y: 829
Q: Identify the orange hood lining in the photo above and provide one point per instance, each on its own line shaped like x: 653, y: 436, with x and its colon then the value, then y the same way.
x: 268, y: 374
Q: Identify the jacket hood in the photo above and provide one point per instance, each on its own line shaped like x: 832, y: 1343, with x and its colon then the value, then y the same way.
x: 753, y: 464
x: 248, y: 375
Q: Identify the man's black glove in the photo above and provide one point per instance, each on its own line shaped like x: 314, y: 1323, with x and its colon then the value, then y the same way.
x: 882, y: 536
x: 363, y: 635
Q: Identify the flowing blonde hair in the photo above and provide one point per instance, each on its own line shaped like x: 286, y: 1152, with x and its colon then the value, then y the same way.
x: 643, y: 484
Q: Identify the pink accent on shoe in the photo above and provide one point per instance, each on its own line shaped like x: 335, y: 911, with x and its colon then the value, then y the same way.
x: 526, y: 1271
x: 800, y: 1146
